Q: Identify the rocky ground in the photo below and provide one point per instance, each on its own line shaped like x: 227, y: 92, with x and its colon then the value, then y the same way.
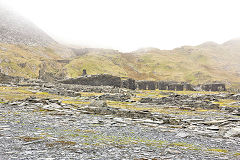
x: 55, y: 121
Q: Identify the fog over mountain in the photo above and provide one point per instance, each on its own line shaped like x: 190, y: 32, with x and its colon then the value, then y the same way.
x: 129, y: 25
x: 15, y: 29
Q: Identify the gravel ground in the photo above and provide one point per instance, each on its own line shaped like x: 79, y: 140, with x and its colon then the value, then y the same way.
x: 27, y: 132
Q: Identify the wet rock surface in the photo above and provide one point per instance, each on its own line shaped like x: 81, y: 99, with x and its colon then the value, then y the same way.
x: 103, y: 125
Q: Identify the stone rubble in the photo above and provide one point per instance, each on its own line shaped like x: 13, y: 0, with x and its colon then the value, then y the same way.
x: 46, y: 128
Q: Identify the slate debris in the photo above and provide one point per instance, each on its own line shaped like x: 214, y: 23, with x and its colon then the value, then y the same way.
x: 45, y: 128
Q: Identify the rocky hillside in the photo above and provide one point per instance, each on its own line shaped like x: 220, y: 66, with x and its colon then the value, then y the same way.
x: 25, y: 49
x: 15, y: 29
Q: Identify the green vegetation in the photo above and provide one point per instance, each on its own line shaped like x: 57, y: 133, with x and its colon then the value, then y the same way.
x: 93, y: 137
x: 30, y: 139
x: 237, y: 154
x: 218, y: 150
x: 25, y: 61
x: 196, y: 66
x: 227, y: 102
x: 19, y: 93
x: 192, y: 64
x: 9, y: 94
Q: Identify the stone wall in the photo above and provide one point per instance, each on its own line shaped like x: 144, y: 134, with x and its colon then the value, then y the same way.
x: 109, y: 80
x: 213, y: 87
x: 188, y: 87
x: 162, y: 85
x: 146, y: 85
x: 142, y: 85
x: 175, y: 86
x: 5, y: 79
x: 129, y: 83
x: 179, y: 87
x: 95, y: 80
x: 152, y: 85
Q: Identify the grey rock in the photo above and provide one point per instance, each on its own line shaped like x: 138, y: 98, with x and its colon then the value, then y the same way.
x: 233, y: 132
x: 172, y: 151
x: 182, y: 135
x: 215, y: 128
x: 214, y: 122
x: 98, y: 103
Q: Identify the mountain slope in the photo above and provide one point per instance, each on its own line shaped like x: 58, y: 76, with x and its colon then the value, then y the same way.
x: 24, y: 48
x: 194, y: 64
x: 15, y: 29
x: 25, y: 51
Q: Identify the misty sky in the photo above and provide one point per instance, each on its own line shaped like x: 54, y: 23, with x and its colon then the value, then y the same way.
x: 128, y: 25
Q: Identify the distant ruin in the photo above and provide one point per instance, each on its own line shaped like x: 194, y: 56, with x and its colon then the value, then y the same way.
x: 6, y: 79
x: 109, y: 80
x: 95, y: 80
x: 164, y: 85
x: 129, y: 83
x: 146, y: 85
x: 84, y: 72
x: 213, y: 87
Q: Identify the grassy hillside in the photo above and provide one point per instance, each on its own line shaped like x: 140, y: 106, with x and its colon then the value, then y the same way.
x: 203, y: 63
x: 194, y: 64
x: 25, y: 50
x: 25, y: 61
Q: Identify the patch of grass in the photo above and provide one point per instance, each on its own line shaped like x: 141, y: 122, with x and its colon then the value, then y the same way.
x: 42, y: 93
x: 30, y: 139
x: 85, y: 131
x: 180, y: 144
x: 226, y: 102
x: 75, y: 102
x: 41, y: 110
x: 19, y: 93
x: 90, y: 94
x: 73, y: 135
x: 236, y: 154
x: 130, y: 106
x: 218, y: 150
x: 202, y: 110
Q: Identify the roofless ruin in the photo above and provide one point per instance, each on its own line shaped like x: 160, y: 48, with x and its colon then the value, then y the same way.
x: 110, y: 80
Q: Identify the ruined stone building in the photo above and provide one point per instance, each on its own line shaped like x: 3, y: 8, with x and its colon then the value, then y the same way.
x: 95, y: 80
x: 109, y: 80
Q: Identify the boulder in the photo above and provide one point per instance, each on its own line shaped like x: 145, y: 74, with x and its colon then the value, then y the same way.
x: 98, y: 104
x: 234, y: 132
